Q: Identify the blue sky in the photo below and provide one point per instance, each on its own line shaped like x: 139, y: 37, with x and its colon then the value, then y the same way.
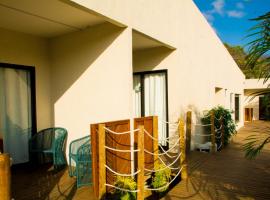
x: 230, y: 18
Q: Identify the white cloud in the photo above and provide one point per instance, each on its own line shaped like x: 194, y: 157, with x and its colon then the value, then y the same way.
x: 240, y: 5
x: 235, y: 13
x: 218, y: 6
x: 208, y: 15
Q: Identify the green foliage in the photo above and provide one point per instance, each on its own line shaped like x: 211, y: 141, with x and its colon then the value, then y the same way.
x: 125, y: 183
x: 254, y: 144
x: 258, y: 55
x: 229, y: 124
x: 161, y: 178
x: 240, y: 57
x: 259, y: 47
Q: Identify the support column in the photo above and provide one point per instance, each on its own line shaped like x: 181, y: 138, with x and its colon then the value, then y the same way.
x: 184, y: 174
x: 5, y: 182
x: 140, y: 177
x: 222, y: 132
x: 213, y: 133
x: 102, y: 161
x: 155, y: 142
x: 188, y: 130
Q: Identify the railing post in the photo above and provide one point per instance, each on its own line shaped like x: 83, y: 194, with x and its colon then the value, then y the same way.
x: 5, y: 191
x: 102, y: 160
x: 155, y: 142
x: 222, y: 132
x: 184, y: 174
x: 188, y: 130
x: 140, y: 157
x: 213, y: 133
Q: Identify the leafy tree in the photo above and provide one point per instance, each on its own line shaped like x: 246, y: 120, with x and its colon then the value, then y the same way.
x: 259, y: 54
x: 259, y: 47
x: 240, y: 57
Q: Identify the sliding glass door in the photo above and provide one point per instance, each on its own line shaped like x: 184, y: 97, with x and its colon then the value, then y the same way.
x: 150, y: 98
x: 16, y: 103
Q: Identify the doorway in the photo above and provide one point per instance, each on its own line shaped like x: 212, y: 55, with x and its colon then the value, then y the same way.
x: 17, y: 108
x: 237, y: 107
x: 150, y: 91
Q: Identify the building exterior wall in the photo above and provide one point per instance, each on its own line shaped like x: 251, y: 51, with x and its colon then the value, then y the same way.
x: 200, y: 62
x: 23, y: 49
x: 91, y: 78
x: 86, y: 77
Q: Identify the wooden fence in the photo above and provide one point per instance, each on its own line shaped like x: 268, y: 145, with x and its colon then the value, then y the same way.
x: 119, y: 161
x: 103, y: 158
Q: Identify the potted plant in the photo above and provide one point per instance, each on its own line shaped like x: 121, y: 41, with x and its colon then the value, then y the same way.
x: 229, y: 124
x: 125, y: 183
x: 161, y: 179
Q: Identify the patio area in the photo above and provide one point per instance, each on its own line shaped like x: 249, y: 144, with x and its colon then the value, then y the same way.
x: 224, y: 175
x: 42, y: 183
x: 227, y: 174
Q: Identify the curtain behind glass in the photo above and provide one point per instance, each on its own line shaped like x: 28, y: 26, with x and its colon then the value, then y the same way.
x: 137, y: 95
x: 155, y: 100
x: 15, y: 112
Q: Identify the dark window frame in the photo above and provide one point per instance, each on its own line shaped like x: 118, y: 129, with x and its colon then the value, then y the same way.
x: 142, y: 76
x: 32, y: 71
x: 237, y: 112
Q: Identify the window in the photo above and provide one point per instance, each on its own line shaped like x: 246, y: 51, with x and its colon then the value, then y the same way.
x: 150, y: 98
x: 237, y: 107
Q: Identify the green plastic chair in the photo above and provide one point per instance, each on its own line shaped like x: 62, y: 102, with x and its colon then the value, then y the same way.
x: 80, y: 163
x: 50, y: 141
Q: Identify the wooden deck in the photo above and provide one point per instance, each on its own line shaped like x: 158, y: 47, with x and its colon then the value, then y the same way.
x: 227, y: 174
x: 224, y: 175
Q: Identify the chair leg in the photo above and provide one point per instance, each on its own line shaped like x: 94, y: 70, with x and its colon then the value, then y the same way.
x: 77, y: 173
x: 54, y: 161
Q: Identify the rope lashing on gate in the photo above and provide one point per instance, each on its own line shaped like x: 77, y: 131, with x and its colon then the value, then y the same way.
x: 163, y: 150
x: 219, y: 137
x: 166, y: 166
x: 173, y: 125
x: 219, y: 146
x: 107, y: 130
x: 218, y: 133
x: 156, y: 139
x: 169, y: 165
x: 122, y: 150
x: 203, y: 135
x: 158, y: 170
x: 159, y: 156
x: 202, y: 124
x: 121, y: 174
x: 121, y: 133
x: 122, y: 189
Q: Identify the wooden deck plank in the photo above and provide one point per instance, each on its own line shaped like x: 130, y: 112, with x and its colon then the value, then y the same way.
x: 227, y: 174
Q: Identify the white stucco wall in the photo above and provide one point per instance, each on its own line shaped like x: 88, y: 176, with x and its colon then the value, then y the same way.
x: 91, y: 78
x: 198, y: 65
x: 23, y: 49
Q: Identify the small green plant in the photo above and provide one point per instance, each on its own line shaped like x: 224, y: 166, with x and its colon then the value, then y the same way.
x: 229, y: 124
x: 125, y: 183
x: 161, y: 178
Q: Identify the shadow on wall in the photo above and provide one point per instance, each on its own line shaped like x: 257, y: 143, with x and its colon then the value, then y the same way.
x: 148, y: 59
x: 196, y: 119
x: 73, y: 54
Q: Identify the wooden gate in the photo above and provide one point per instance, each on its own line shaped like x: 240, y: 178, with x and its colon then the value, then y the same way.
x: 119, y: 161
